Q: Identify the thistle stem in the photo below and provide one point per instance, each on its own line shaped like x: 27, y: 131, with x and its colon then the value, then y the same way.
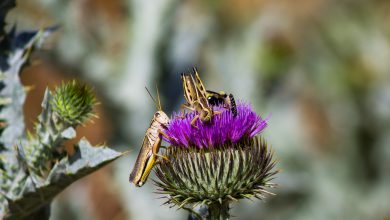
x: 219, y: 211
x: 214, y: 211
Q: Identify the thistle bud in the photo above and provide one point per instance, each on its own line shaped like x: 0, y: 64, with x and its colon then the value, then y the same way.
x: 73, y: 102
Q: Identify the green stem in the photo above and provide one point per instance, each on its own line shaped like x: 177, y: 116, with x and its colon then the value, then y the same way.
x: 214, y: 211
x: 219, y: 211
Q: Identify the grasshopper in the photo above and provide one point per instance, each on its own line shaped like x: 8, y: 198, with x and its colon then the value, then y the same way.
x: 221, y: 98
x: 150, y: 146
x: 196, y: 97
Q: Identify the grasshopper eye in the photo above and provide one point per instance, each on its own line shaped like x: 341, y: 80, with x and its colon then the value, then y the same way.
x: 156, y: 115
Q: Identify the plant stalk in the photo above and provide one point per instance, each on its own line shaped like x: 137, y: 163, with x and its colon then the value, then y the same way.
x: 214, y: 211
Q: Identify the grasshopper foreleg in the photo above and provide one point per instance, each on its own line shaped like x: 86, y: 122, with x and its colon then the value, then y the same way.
x: 194, y: 120
x: 163, y: 134
x: 183, y: 107
x: 156, y: 147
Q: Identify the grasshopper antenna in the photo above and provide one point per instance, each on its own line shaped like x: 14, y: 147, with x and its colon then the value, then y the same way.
x: 157, y: 106
x: 158, y: 98
x: 194, y: 69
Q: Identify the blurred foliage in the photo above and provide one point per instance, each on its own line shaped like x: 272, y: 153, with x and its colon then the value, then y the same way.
x: 321, y: 67
x: 34, y: 169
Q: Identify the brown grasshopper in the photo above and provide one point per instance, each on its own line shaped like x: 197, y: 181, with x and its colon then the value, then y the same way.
x: 196, y: 97
x: 150, y: 146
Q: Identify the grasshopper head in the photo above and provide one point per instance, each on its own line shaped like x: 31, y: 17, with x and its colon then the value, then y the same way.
x: 161, y: 118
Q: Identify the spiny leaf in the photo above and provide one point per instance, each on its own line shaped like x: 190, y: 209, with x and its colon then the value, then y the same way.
x: 11, y: 88
x: 5, y: 6
x: 37, y: 194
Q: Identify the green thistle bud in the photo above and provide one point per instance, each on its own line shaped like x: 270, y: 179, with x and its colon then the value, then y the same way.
x: 73, y: 102
x: 216, y: 176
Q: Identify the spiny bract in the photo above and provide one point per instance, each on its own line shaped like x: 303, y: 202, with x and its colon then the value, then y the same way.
x: 207, y: 176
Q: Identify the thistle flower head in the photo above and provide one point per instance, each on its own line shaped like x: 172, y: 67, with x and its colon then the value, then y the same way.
x: 224, y: 128
x: 216, y: 163
x: 73, y: 102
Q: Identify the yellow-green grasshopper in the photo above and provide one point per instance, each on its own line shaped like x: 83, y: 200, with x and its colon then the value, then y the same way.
x: 150, y: 146
x: 196, y: 97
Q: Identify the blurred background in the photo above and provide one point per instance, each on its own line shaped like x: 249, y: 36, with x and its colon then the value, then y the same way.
x: 321, y: 67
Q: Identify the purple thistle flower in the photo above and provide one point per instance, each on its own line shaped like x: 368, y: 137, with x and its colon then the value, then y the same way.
x: 224, y: 128
x: 213, y: 164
